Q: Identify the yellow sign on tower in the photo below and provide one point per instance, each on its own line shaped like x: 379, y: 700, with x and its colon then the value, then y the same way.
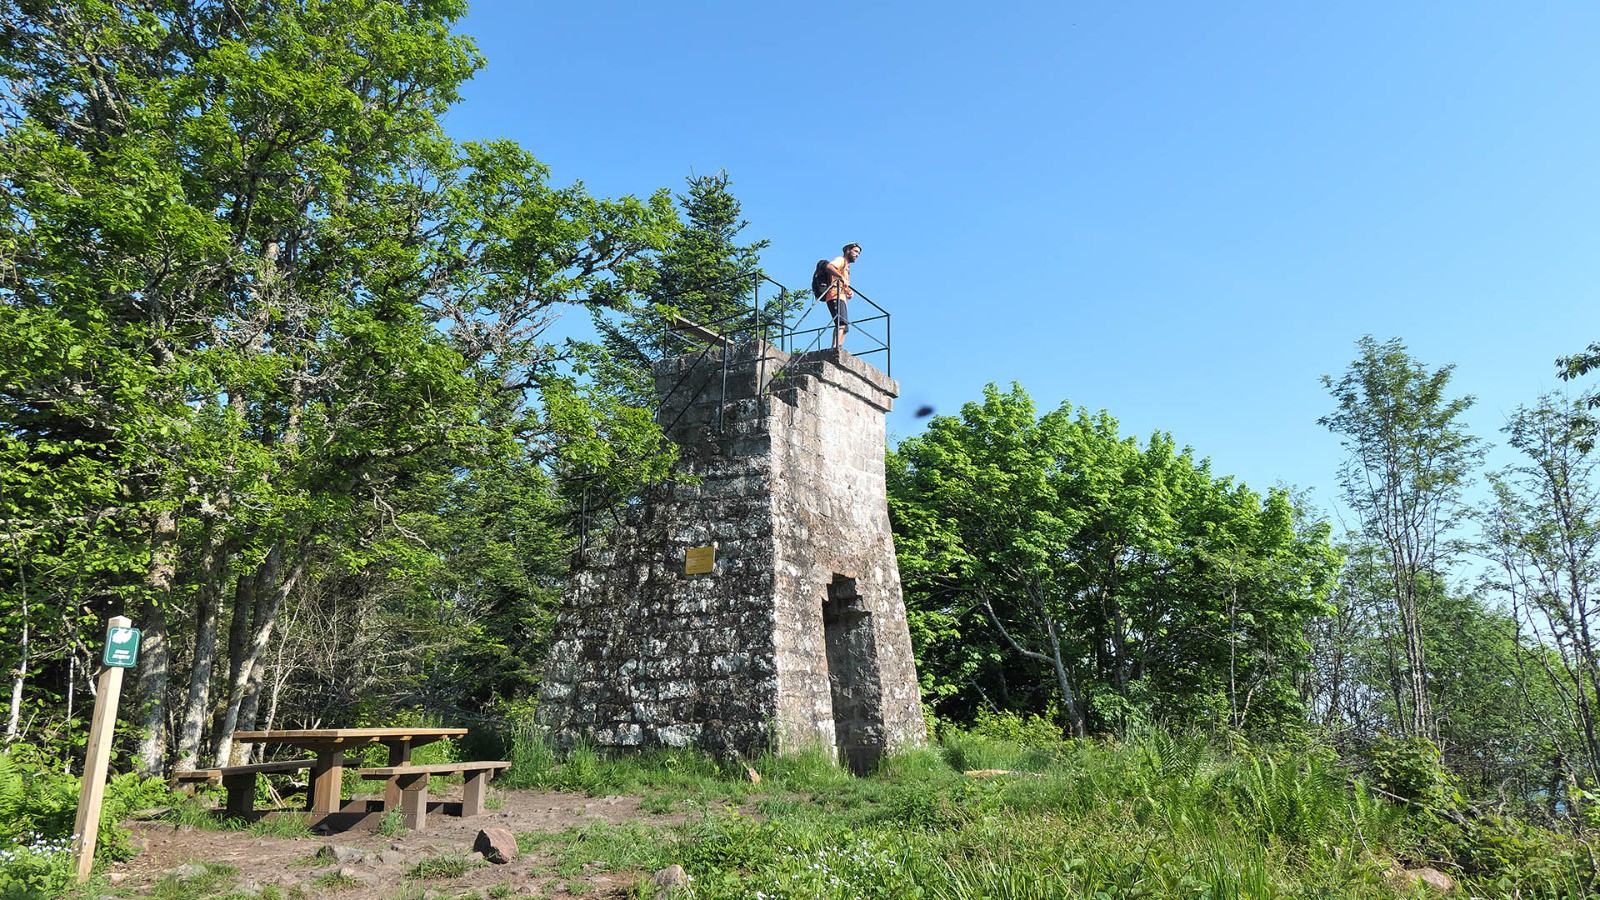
x: 700, y: 561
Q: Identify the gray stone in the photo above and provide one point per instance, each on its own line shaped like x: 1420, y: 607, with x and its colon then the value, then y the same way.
x: 340, y: 853
x: 351, y: 873
x: 498, y: 845
x: 391, y: 857
x: 188, y: 872
x: 248, y: 889
x: 797, y: 638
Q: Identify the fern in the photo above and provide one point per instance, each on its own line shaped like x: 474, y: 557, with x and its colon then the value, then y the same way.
x: 11, y: 790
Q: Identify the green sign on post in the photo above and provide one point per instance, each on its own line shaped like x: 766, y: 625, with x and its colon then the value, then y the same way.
x: 122, y: 647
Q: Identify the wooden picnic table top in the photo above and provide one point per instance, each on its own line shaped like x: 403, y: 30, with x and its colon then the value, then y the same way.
x: 326, y: 736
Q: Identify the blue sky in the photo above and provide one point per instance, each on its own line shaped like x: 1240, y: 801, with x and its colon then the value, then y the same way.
x: 1183, y: 215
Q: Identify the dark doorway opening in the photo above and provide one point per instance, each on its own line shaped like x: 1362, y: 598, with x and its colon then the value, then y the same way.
x: 853, y: 681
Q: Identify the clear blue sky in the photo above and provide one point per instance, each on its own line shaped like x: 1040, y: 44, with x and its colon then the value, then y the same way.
x: 1181, y: 213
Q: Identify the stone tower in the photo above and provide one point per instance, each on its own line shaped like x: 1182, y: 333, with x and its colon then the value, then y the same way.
x: 796, y: 636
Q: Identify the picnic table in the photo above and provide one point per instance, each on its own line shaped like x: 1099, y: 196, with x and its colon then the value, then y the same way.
x: 330, y: 744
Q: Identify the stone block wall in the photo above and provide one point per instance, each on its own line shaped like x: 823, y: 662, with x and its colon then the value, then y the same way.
x: 797, y: 638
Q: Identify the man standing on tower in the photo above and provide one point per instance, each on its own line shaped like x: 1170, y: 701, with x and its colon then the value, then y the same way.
x: 839, y: 292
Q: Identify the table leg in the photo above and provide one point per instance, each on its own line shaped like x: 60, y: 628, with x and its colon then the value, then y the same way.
x: 399, y: 755
x: 327, y: 780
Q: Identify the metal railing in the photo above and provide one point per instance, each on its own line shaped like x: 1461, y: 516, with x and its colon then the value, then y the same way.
x: 778, y: 327
x: 801, y: 336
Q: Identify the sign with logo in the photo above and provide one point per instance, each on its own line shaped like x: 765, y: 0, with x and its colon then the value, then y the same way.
x: 122, y: 647
x: 700, y: 561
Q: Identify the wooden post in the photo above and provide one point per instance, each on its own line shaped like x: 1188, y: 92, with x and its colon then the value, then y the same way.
x: 98, y: 759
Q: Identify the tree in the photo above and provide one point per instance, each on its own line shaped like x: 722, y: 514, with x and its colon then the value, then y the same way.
x: 1543, y: 530
x: 254, y: 293
x: 1409, y: 458
x: 1136, y: 583
x: 704, y: 275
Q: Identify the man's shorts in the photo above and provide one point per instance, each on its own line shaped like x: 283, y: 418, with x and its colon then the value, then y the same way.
x: 840, y: 310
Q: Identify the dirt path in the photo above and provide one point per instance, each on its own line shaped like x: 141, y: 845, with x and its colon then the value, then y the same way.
x: 376, y: 865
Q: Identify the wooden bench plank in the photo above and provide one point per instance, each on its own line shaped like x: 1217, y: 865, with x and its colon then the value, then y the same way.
x: 240, y: 781
x: 436, y: 769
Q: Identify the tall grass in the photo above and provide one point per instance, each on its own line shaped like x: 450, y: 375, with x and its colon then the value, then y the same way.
x: 1155, y: 816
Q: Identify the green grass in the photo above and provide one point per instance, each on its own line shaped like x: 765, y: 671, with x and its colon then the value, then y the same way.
x: 283, y: 824
x: 392, y: 824
x: 446, y: 866
x: 1156, y: 816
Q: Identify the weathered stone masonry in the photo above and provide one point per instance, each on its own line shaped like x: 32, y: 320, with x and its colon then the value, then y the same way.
x: 798, y: 637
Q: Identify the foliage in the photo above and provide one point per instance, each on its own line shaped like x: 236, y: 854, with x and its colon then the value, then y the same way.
x: 268, y: 338
x: 704, y: 275
x: 1408, y: 768
x: 38, y: 809
x: 1048, y: 560
x: 1542, y: 530
x: 1409, y: 458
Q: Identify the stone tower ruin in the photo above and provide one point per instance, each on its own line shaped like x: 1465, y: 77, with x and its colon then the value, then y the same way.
x: 792, y: 632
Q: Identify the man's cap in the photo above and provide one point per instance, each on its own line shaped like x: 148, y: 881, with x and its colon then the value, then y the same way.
x: 852, y: 244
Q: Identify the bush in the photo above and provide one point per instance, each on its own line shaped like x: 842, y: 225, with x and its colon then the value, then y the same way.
x: 1409, y: 768
x: 1029, y: 730
x: 38, y: 809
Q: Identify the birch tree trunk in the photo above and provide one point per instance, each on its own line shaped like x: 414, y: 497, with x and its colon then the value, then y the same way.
x: 153, y: 650
x: 213, y: 568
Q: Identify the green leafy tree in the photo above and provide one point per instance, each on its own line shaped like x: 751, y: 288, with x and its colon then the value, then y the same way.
x: 1542, y: 528
x: 1135, y: 582
x: 1409, y: 458
x: 252, y: 295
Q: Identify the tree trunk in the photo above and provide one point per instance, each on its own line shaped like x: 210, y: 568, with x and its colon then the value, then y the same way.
x: 250, y: 708
x: 1420, y: 722
x: 153, y: 650
x: 213, y: 569
x: 244, y: 610
x: 271, y: 591
x: 19, y: 675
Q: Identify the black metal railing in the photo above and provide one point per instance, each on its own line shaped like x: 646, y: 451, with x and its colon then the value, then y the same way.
x: 796, y: 337
x: 774, y: 325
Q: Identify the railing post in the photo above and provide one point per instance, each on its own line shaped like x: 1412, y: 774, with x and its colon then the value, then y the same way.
x: 761, y: 347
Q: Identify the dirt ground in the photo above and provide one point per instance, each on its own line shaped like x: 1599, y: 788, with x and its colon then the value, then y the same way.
x: 382, y: 862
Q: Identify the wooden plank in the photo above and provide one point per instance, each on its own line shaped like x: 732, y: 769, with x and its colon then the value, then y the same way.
x: 679, y: 323
x: 241, y: 788
x: 413, y: 800
x: 327, y: 777
x: 439, y: 769
x: 292, y: 735
x: 271, y: 768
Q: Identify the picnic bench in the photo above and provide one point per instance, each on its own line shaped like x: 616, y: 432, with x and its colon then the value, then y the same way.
x: 330, y: 744
x: 411, y: 783
x: 240, y: 781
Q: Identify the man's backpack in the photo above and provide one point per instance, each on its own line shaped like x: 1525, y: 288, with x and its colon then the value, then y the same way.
x: 821, y: 279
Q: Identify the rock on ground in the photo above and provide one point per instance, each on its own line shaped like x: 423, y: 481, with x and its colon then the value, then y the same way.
x: 497, y: 845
